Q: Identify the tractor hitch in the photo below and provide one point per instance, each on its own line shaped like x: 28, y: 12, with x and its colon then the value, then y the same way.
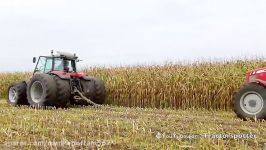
x: 80, y: 96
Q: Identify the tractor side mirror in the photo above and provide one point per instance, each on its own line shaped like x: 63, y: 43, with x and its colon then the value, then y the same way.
x: 34, y: 60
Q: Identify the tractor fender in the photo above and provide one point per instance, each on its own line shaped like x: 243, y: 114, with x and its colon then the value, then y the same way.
x: 87, y: 78
x: 63, y: 77
x: 259, y: 81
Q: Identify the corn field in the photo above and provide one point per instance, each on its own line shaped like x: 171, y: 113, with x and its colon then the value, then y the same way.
x: 208, y: 85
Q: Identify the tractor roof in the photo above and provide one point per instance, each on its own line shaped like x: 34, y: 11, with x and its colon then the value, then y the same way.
x: 66, y: 55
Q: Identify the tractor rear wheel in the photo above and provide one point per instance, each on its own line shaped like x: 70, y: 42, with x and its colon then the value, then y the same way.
x: 94, y: 90
x: 100, y: 91
x: 47, y: 90
x: 250, y: 102
x: 63, y: 92
x: 17, y: 94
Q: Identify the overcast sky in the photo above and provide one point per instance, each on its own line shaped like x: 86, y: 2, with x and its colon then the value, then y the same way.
x: 122, y: 32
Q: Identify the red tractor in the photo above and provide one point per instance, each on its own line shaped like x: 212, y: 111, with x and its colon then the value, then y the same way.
x: 56, y: 82
x: 250, y: 100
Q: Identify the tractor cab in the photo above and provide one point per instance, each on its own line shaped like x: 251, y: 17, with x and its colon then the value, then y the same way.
x: 63, y: 62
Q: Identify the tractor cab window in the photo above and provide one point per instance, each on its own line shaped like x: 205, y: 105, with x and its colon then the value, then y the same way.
x: 44, y: 65
x: 48, y: 65
x: 70, y: 65
x: 58, y: 64
x: 64, y: 65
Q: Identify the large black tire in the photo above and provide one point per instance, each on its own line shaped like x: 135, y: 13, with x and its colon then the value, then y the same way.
x: 63, y: 92
x: 94, y: 89
x: 250, y: 102
x: 17, y: 94
x: 46, y: 90
x: 100, y: 91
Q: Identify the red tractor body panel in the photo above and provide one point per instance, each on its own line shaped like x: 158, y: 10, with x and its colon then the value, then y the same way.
x: 70, y: 74
x: 257, y: 75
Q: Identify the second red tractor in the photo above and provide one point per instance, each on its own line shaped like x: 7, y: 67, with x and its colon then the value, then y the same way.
x: 250, y: 101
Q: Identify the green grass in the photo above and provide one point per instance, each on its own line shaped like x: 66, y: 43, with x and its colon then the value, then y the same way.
x: 124, y: 128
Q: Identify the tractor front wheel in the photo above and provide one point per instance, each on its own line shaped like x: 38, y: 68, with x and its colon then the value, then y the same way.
x: 250, y: 102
